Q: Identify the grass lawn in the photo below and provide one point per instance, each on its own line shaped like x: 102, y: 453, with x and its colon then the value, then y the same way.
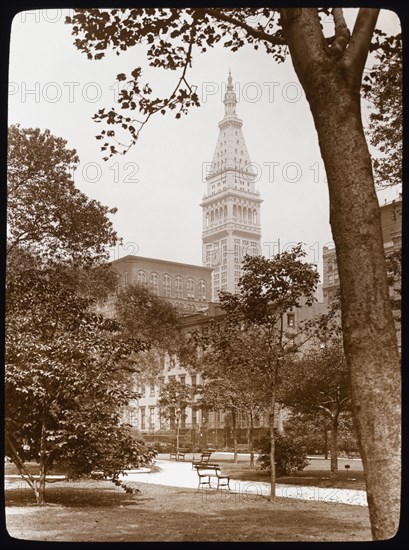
x: 317, y: 478
x: 98, y: 511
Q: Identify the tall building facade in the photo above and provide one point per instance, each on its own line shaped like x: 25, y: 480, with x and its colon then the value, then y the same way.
x: 231, y: 206
x: 186, y: 286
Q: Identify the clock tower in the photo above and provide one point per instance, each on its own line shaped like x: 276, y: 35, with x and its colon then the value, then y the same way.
x: 231, y: 206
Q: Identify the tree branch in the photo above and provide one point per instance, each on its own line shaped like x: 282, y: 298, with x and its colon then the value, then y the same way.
x: 342, y: 34
x: 260, y: 34
x: 357, y: 51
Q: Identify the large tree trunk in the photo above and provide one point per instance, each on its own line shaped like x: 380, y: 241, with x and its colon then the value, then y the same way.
x: 332, y: 88
x: 234, y: 428
x: 334, y: 445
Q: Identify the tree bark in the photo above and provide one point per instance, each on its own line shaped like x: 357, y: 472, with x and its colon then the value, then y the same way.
x: 21, y: 468
x: 334, y: 445
x: 325, y: 443
x: 234, y: 428
x: 271, y: 418
x: 205, y: 423
x: 43, y: 465
x: 332, y: 90
x: 251, y: 440
x: 177, y: 435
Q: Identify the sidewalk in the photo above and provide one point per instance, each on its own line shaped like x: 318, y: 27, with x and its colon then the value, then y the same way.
x: 180, y: 474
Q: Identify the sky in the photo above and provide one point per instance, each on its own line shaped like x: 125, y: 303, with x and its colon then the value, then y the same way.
x: 158, y: 186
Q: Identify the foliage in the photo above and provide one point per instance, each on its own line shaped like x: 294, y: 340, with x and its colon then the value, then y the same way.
x: 319, y: 379
x: 270, y: 287
x: 382, y: 87
x: 68, y: 370
x: 319, y: 382
x: 149, y: 317
x: 307, y: 431
x: 67, y: 374
x: 289, y: 456
x: 231, y: 368
x: 173, y: 399
x: 46, y: 212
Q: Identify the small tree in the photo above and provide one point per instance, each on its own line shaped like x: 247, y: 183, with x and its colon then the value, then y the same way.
x: 67, y: 369
x: 267, y: 290
x: 319, y: 381
x: 232, y: 379
x: 67, y: 379
x: 173, y: 399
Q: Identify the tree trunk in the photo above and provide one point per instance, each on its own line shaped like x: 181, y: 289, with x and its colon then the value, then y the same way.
x: 43, y: 465
x: 332, y: 90
x: 234, y: 428
x: 334, y: 445
x: 177, y: 435
x: 326, y: 443
x: 205, y: 422
x: 15, y: 457
x: 271, y: 418
x: 251, y: 441
x: 216, y: 423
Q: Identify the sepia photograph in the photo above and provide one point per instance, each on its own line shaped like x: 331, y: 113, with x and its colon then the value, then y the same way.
x: 203, y: 275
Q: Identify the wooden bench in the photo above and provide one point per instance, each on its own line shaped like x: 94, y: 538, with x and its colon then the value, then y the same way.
x: 204, y: 459
x: 178, y: 455
x: 208, y: 471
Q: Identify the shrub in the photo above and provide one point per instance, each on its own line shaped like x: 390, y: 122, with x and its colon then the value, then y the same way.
x: 289, y: 457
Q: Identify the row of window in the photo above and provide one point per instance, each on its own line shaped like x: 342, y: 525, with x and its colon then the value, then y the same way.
x: 178, y: 282
x: 240, y: 214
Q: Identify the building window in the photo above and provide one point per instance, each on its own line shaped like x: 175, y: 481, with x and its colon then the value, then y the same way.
x: 166, y: 286
x: 182, y: 379
x: 190, y: 286
x: 290, y: 320
x: 178, y: 287
x: 155, y: 283
x: 143, y: 419
x: 142, y: 277
x: 202, y: 289
x: 330, y: 279
x: 152, y: 389
x: 194, y: 379
x: 151, y: 418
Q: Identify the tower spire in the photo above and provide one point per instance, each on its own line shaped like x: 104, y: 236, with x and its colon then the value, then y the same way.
x: 230, y: 100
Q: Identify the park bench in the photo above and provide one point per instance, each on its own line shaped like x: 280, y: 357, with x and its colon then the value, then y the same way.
x: 204, y: 459
x: 207, y: 471
x: 178, y: 454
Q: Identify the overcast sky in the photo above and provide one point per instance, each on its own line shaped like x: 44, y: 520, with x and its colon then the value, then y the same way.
x: 158, y: 186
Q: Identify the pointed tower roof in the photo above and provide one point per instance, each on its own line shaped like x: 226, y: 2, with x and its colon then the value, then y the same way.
x: 231, y: 150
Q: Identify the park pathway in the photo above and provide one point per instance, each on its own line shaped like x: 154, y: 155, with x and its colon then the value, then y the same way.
x: 180, y: 474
